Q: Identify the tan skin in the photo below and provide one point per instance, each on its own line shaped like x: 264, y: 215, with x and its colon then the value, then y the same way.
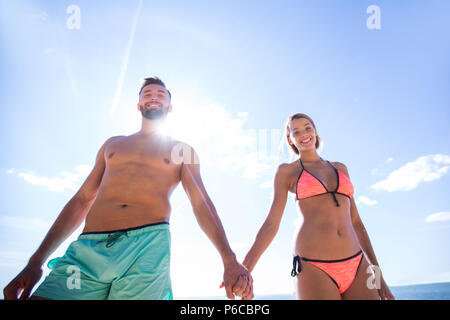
x: 129, y: 186
x: 328, y: 232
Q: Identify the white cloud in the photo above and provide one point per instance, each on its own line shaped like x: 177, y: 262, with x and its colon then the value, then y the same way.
x: 40, y: 15
x: 221, y: 140
x: 243, y: 115
x: 66, y: 180
x: 266, y: 184
x: 377, y: 171
x: 439, y: 216
x: 188, y: 257
x: 409, y: 176
x: 23, y: 223
x: 365, y: 200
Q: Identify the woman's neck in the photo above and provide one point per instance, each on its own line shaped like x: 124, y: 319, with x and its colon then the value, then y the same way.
x: 310, y: 156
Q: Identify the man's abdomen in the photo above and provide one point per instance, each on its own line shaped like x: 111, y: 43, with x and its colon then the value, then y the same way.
x: 113, y: 214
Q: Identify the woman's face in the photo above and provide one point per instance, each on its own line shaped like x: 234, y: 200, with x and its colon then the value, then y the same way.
x: 302, y: 134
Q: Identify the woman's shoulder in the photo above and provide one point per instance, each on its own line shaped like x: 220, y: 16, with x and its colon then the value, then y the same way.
x: 287, y: 169
x: 289, y: 165
x: 286, y: 175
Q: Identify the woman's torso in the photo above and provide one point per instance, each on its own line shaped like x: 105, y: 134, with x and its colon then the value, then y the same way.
x: 326, y: 231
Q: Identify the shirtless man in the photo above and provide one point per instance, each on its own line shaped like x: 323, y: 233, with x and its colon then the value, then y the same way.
x: 124, y: 250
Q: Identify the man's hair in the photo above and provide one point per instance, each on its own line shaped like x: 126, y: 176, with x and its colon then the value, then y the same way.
x: 153, y: 80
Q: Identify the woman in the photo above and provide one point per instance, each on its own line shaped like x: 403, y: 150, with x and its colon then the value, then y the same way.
x: 332, y: 248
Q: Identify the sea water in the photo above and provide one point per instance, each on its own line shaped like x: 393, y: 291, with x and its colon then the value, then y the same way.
x: 430, y: 291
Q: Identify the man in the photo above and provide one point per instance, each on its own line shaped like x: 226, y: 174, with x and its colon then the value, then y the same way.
x: 124, y: 250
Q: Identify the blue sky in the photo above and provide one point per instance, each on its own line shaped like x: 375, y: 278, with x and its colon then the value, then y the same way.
x: 236, y: 70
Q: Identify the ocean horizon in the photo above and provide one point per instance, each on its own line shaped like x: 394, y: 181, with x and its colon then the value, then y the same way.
x: 427, y: 291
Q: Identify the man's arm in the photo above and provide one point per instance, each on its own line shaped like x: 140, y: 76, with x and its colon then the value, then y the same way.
x: 210, y: 223
x: 74, y: 212
x: 70, y: 218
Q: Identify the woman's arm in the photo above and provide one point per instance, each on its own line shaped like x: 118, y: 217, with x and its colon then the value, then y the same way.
x: 365, y: 243
x: 270, y: 226
x: 366, y: 246
x: 362, y: 234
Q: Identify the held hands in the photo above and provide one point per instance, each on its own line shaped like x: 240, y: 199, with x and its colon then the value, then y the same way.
x: 237, y: 281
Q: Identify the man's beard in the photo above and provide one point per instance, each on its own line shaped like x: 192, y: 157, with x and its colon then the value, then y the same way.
x: 154, y: 114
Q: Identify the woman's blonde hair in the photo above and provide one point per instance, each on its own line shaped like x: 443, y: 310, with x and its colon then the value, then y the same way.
x: 288, y: 130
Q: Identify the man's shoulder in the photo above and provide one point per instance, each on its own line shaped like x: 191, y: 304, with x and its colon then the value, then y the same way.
x: 184, y: 152
x: 179, y: 145
x: 114, y: 138
x: 110, y: 140
x: 178, y: 142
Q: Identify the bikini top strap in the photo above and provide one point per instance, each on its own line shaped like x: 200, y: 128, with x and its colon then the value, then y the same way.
x: 299, y: 175
x: 333, y: 166
x: 337, y: 186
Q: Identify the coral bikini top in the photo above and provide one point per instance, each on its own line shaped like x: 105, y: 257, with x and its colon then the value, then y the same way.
x: 309, y: 186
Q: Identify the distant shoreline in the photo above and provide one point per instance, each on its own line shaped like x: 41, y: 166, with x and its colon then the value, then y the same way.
x: 407, y: 291
x: 419, y: 284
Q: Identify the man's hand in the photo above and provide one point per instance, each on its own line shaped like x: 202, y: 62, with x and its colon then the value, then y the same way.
x: 24, y: 282
x: 237, y: 281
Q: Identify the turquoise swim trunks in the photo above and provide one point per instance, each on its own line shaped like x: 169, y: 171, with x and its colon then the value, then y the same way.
x: 124, y: 264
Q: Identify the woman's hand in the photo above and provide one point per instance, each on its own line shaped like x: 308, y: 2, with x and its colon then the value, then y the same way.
x: 242, y: 287
x: 384, y: 292
x: 237, y: 280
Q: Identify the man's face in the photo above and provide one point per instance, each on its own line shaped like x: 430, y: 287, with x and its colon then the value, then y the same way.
x: 154, y: 102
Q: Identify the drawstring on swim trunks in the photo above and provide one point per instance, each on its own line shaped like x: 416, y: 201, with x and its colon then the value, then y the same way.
x: 113, y: 238
x: 296, y: 265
